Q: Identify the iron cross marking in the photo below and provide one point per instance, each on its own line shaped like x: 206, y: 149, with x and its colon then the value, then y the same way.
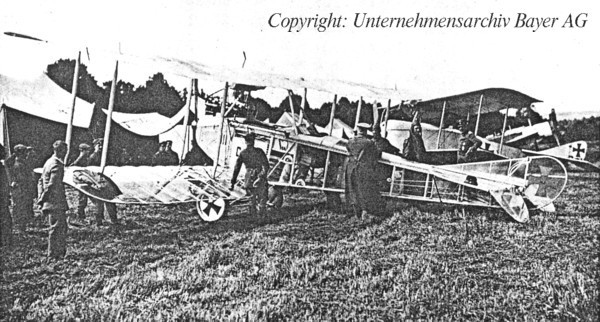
x: 211, y: 205
x: 578, y: 150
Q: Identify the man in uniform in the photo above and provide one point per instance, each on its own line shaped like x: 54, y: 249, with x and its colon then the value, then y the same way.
x: 160, y: 155
x: 414, y: 148
x: 468, y: 144
x: 257, y: 168
x: 382, y: 144
x: 362, y: 193
x: 54, y: 201
x: 111, y: 208
x: 170, y: 157
x: 82, y: 160
x: 21, y: 181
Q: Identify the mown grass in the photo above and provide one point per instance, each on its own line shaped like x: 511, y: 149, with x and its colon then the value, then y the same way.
x: 307, y: 263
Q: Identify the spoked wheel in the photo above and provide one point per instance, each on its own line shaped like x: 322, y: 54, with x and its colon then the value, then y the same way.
x: 275, y: 197
x: 210, y: 209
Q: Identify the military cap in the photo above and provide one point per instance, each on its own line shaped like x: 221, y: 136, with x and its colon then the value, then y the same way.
x: 363, y: 125
x: 84, y: 146
x: 20, y: 148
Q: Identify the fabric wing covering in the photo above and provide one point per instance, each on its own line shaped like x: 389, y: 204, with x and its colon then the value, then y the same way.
x: 44, y: 98
x: 461, y: 105
x: 150, y: 185
x: 148, y: 124
x: 193, y: 69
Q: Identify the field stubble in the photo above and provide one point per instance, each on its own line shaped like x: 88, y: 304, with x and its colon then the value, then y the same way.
x: 305, y: 262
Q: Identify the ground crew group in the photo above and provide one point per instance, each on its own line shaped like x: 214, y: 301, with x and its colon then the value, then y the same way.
x: 362, y: 175
x: 19, y: 181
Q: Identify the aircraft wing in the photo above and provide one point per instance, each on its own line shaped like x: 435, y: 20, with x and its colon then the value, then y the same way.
x: 512, y: 182
x: 461, y: 105
x: 149, y: 184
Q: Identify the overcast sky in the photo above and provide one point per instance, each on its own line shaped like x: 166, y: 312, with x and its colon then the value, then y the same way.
x: 560, y: 66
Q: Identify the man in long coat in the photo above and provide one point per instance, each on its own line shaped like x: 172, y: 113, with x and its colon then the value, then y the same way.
x: 413, y: 148
x: 362, y: 193
x: 54, y: 201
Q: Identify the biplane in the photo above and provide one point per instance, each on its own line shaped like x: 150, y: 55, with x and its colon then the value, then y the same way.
x: 490, y: 108
x: 515, y: 185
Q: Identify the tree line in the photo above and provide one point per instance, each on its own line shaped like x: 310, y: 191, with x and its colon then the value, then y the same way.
x: 157, y: 95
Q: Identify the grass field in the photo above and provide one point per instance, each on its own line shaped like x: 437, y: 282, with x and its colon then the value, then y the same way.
x: 307, y: 263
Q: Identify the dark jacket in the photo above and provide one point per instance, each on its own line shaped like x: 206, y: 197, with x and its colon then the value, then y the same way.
x: 257, y: 166
x: 53, y: 191
x: 361, y: 176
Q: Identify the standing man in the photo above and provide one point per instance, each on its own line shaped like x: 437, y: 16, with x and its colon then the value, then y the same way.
x: 159, y: 157
x: 382, y: 144
x: 362, y: 193
x: 82, y: 160
x: 414, y: 148
x: 171, y: 157
x: 468, y: 143
x: 111, y: 208
x: 21, y: 180
x: 384, y: 171
x: 255, y: 181
x: 54, y: 201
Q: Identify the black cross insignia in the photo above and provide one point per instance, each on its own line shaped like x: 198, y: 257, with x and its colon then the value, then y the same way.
x: 578, y: 150
x: 211, y: 205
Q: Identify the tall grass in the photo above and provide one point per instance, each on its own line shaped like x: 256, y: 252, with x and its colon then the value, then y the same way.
x: 307, y: 263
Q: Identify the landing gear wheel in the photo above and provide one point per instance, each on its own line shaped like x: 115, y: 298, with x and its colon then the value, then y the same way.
x: 275, y: 197
x: 210, y: 209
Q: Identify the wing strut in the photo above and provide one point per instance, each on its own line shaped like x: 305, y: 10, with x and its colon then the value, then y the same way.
x: 72, y: 112
x: 221, y: 128
x: 111, y: 106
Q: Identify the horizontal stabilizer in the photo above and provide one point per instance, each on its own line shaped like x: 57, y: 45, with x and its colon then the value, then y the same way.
x: 572, y: 153
x: 574, y: 150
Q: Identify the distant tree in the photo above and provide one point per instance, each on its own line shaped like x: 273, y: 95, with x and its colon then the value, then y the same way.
x: 61, y: 72
x: 261, y: 109
x: 284, y: 106
x: 587, y: 129
x: 158, y: 96
x: 346, y: 111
